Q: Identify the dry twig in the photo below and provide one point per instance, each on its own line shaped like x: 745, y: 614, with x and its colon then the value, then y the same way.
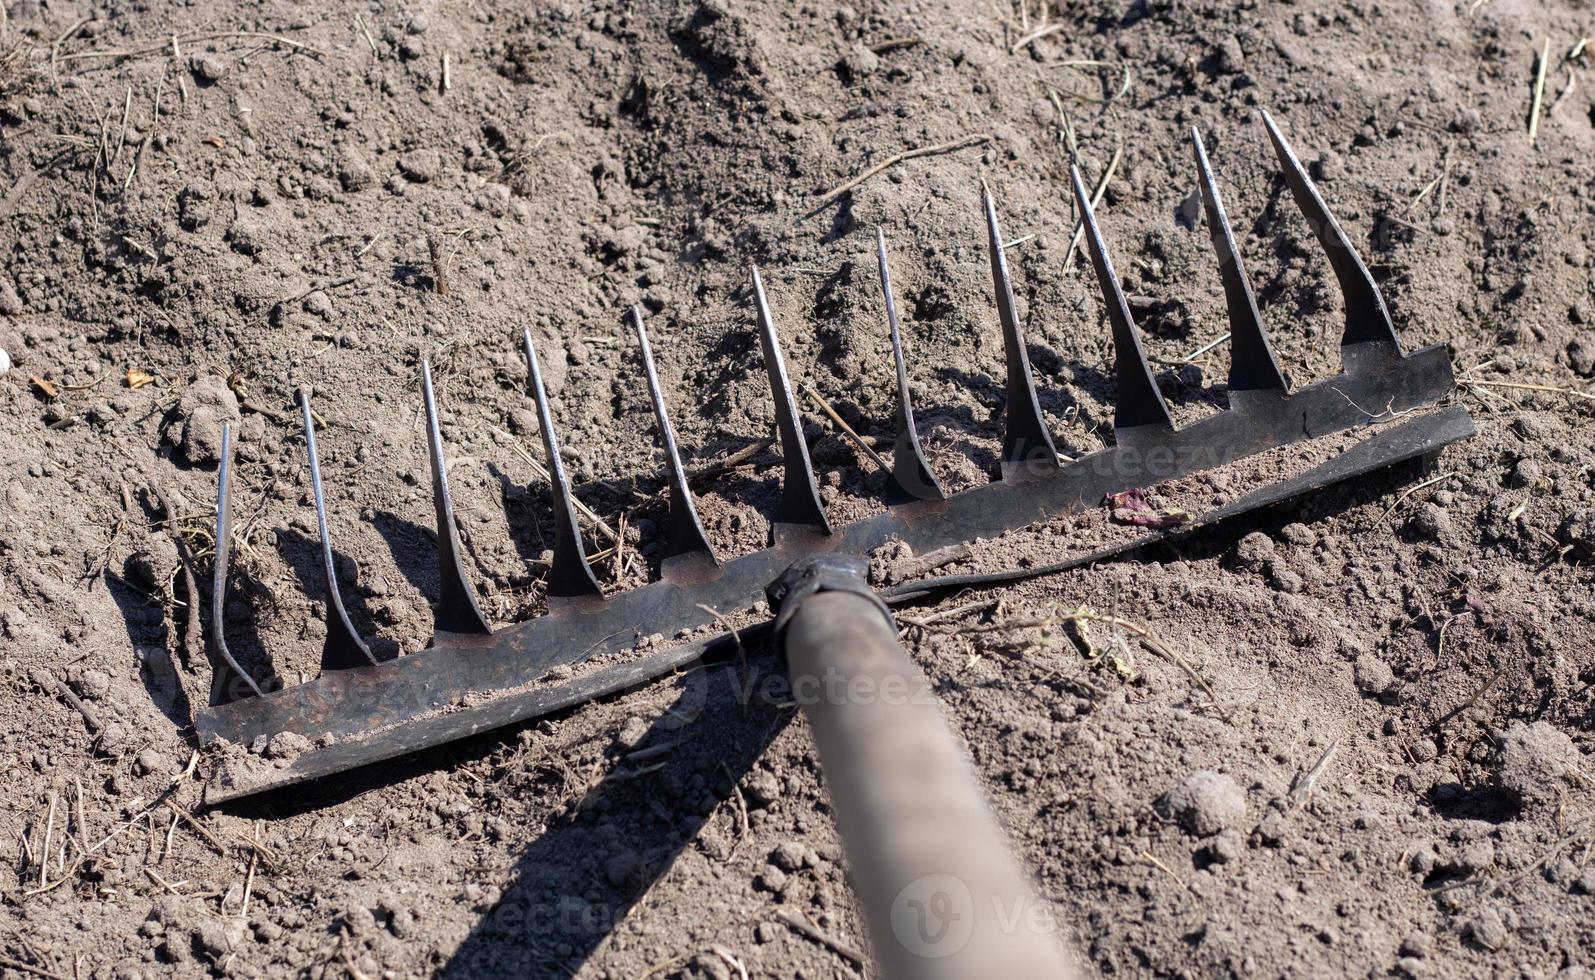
x: 1539, y: 91
x: 974, y: 139
x: 800, y: 922
x: 1096, y: 199
x: 847, y: 430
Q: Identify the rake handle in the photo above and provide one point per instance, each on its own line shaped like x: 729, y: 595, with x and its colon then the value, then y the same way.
x: 942, y: 895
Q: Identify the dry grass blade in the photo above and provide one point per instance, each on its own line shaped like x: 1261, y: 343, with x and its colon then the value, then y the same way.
x: 1523, y: 386
x: 847, y: 430
x: 1539, y: 91
x: 1119, y: 93
x: 1034, y: 36
x: 31, y: 971
x: 542, y: 474
x: 800, y: 922
x: 964, y: 142
x: 1096, y: 200
x: 1301, y: 788
x: 166, y: 43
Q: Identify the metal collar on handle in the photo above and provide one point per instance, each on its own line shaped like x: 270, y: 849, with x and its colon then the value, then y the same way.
x: 830, y: 572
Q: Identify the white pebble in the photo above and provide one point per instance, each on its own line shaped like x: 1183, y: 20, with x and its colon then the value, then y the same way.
x: 5, y: 362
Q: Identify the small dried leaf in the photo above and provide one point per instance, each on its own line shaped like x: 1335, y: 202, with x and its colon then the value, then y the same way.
x: 215, y: 140
x: 1134, y: 499
x: 46, y: 388
x: 137, y: 378
x: 1131, y: 507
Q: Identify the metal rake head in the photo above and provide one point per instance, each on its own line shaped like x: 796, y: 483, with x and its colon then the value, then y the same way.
x: 359, y: 710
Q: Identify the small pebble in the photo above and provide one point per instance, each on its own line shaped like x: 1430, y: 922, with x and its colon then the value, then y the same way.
x: 92, y: 684
x: 632, y: 732
x: 208, y: 67
x: 1283, y: 579
x: 1299, y: 534
x: 1228, y: 846
x: 620, y: 867
x: 1231, y: 59
x: 1486, y: 929
x: 1254, y: 550
x: 421, y: 166
x: 761, y: 789
x: 1206, y: 803
x: 789, y: 856
x: 1372, y: 675
x: 5, y: 362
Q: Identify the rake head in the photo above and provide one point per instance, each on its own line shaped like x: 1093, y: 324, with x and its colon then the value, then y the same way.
x: 360, y: 710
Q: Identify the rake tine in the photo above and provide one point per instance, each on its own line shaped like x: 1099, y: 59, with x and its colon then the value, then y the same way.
x: 456, y: 611
x: 229, y: 675
x: 1367, y: 318
x: 1139, y: 403
x: 1025, y: 440
x: 911, y: 475
x: 800, y: 498
x: 343, y: 647
x: 685, y: 537
x: 570, y: 576
x: 1252, y: 364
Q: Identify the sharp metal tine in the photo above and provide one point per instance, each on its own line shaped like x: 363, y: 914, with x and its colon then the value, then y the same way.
x: 456, y: 611
x: 231, y: 680
x: 912, y: 478
x: 1138, y: 401
x: 343, y: 647
x: 570, y: 577
x: 1026, y: 442
x: 1367, y: 318
x: 800, y: 498
x: 1252, y: 365
x: 685, y: 536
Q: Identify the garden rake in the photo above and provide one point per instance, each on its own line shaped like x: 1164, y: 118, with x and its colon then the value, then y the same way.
x: 472, y: 677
